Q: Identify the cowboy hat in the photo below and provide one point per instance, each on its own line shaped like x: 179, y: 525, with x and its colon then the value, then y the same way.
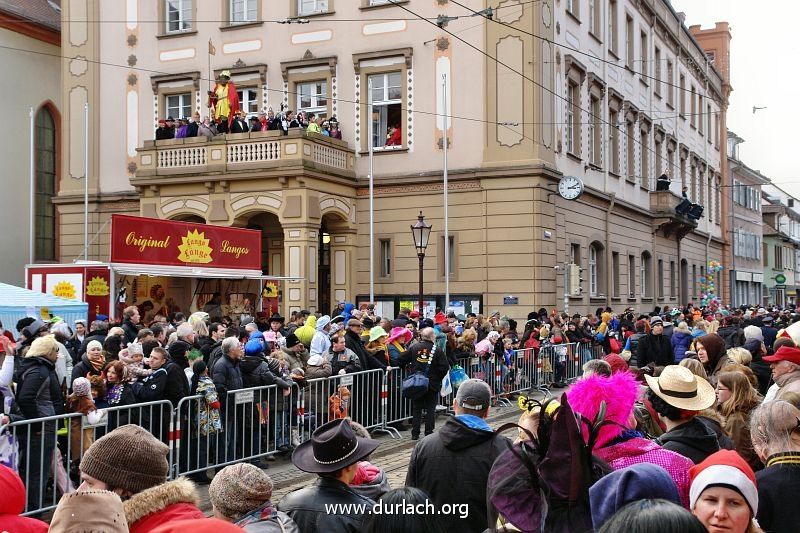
x: 680, y: 388
x: 333, y: 446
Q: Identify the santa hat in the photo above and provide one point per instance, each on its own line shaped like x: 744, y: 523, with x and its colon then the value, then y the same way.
x: 726, y: 468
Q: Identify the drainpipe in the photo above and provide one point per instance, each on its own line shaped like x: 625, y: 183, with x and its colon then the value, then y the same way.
x: 608, y: 248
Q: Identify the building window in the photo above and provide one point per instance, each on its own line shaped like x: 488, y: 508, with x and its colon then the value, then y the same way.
x: 693, y: 118
x: 661, y: 278
x: 311, y: 7
x: 595, y: 129
x: 694, y: 282
x: 178, y: 15
x: 574, y: 8
x: 243, y: 11
x: 592, y: 270
x: 718, y: 199
x: 643, y: 53
x: 778, y: 257
x: 632, y: 276
x: 644, y: 148
x: 630, y: 134
x: 573, y: 119
x: 312, y: 97
x: 682, y: 89
x: 385, y: 254
x: 613, y: 119
x: 615, y: 274
x: 673, y: 280
x: 594, y: 18
x: 45, y: 170
x: 657, y: 145
x: 575, y: 253
x: 629, y: 41
x: 646, y: 275
x: 179, y: 105
x: 386, y: 110
x: 597, y: 268
x: 709, y: 122
x: 613, y: 27
x: 452, y: 257
x: 657, y: 71
x: 670, y: 83
x: 248, y: 100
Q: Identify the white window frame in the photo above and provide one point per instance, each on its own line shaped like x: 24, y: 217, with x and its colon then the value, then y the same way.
x: 572, y: 91
x: 184, y: 10
x: 311, y: 7
x: 378, y: 2
x: 248, y: 10
x: 380, y: 107
x: 385, y: 254
x: 244, y: 102
x: 314, y: 95
x: 185, y: 102
x: 592, y: 270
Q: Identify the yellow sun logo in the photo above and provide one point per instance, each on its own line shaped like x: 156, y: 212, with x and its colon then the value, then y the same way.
x: 97, y: 286
x: 64, y: 289
x: 270, y: 290
x: 194, y: 248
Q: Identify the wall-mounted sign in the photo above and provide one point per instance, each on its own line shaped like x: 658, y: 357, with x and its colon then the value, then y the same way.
x: 780, y: 279
x: 510, y: 300
x: 152, y: 241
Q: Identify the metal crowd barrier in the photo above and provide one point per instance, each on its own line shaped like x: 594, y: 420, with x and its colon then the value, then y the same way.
x: 53, y: 447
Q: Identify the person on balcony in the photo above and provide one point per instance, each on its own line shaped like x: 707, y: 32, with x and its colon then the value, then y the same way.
x: 194, y: 125
x: 163, y: 131
x: 394, y: 136
x: 314, y: 123
x: 224, y: 101
x: 239, y: 124
x: 663, y: 182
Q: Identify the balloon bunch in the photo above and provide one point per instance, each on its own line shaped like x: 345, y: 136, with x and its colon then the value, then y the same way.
x: 708, y: 289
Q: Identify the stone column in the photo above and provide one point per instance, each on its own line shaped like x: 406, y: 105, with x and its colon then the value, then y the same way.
x: 343, y: 265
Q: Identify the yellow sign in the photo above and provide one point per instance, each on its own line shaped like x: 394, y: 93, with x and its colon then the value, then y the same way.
x: 195, y: 248
x: 270, y: 291
x: 44, y: 313
x: 97, y: 286
x: 64, y: 289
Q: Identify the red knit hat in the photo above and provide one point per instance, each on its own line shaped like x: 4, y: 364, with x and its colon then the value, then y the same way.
x: 725, y: 468
x: 440, y: 318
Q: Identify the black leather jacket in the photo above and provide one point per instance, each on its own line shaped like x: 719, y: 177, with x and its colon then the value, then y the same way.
x: 306, y: 507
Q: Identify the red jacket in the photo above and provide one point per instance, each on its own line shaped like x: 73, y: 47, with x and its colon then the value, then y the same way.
x: 170, y: 501
x: 13, y: 503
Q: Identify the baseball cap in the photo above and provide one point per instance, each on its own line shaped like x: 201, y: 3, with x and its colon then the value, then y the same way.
x: 784, y: 353
x: 474, y: 394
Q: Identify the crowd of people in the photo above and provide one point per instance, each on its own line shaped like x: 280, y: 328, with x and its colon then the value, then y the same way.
x: 688, y: 420
x: 195, y: 126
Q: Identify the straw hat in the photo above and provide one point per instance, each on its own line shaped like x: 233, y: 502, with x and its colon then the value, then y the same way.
x: 680, y: 388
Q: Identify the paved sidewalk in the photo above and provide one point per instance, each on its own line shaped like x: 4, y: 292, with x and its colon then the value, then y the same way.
x: 393, y: 455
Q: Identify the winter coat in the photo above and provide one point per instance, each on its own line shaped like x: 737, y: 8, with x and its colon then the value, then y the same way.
x: 640, y: 450
x: 256, y: 373
x: 168, y: 502
x: 98, y: 335
x: 266, y: 519
x: 694, y: 440
x: 177, y: 353
x: 733, y: 336
x: 308, y: 507
x: 770, y: 334
x: 38, y: 390
x: 227, y: 377
x: 778, y: 487
x: 205, y: 345
x: 452, y: 467
x: 296, y: 359
x: 316, y: 394
x: 418, y: 357
x: 737, y: 427
x: 346, y: 360
x: 63, y: 364
x: 655, y: 349
x: 635, y: 339
x: 82, y: 370
x: 12, y: 504
x: 789, y: 382
x: 131, y: 330
x: 177, y: 387
x: 153, y: 386
x: 680, y: 343
x: 208, y: 420
x: 353, y: 342
x: 370, y: 481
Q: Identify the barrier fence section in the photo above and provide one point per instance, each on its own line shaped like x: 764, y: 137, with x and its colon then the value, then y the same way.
x: 260, y: 421
x: 53, y: 447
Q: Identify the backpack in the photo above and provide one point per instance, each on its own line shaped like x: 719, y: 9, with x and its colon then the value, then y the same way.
x: 542, y: 485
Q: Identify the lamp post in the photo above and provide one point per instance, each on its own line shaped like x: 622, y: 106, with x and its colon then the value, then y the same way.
x: 421, y: 232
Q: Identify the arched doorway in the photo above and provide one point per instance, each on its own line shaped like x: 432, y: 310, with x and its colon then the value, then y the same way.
x: 335, y: 238
x: 271, y: 241
x: 194, y: 219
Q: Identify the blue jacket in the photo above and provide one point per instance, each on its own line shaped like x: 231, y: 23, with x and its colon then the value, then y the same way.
x: 680, y: 343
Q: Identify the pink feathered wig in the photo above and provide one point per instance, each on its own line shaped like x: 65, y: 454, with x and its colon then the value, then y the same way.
x: 619, y: 392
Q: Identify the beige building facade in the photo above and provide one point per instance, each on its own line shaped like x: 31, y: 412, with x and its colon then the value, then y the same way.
x: 502, y: 114
x: 30, y: 45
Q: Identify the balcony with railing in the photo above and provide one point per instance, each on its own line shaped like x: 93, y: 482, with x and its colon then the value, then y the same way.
x: 199, y: 158
x: 673, y: 214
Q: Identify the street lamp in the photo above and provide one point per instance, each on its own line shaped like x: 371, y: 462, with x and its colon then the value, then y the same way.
x: 421, y: 232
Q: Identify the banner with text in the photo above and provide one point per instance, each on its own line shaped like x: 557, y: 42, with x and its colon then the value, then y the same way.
x: 152, y: 241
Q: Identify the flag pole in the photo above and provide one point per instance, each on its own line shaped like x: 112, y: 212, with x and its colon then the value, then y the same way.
x: 211, y: 51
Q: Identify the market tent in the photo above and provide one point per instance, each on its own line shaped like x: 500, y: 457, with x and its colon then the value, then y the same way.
x: 17, y: 303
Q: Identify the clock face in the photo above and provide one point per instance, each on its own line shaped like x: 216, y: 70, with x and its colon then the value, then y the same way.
x: 570, y: 187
